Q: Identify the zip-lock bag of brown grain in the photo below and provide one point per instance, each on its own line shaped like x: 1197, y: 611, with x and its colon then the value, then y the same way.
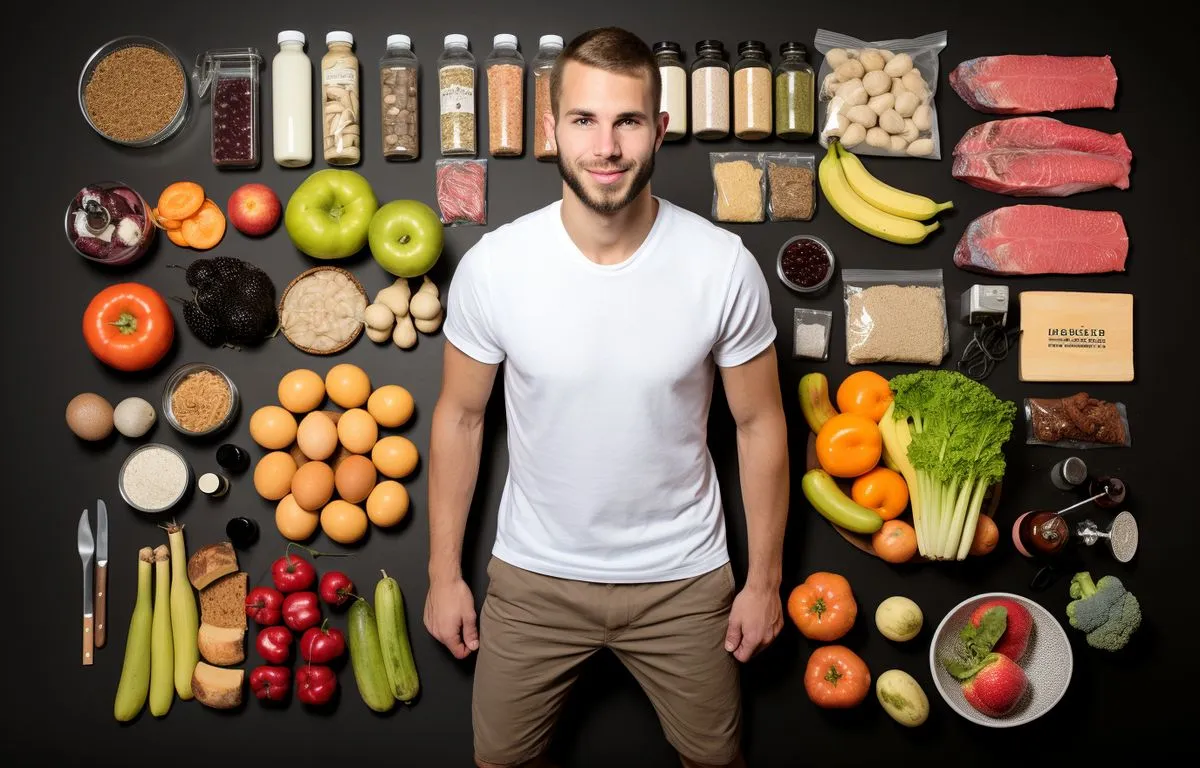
x: 791, y: 185
x: 739, y: 187
x: 895, y: 316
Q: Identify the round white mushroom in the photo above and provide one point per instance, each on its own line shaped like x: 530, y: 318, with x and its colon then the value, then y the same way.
x: 891, y: 121
x: 863, y: 115
x: 854, y: 135
x: 881, y: 103
x: 900, y: 64
x: 876, y: 83
x: 879, y: 138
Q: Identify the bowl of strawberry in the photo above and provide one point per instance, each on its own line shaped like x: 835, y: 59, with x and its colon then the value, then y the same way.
x: 1000, y: 660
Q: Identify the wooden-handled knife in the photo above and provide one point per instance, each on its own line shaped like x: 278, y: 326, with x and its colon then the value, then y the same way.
x: 101, y: 572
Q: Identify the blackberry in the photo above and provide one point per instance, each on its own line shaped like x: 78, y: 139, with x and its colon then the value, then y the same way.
x: 199, y: 272
x: 244, y: 324
x: 202, y: 326
x: 226, y: 269
x: 214, y: 299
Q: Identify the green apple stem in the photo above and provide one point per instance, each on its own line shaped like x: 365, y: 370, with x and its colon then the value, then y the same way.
x: 404, y: 239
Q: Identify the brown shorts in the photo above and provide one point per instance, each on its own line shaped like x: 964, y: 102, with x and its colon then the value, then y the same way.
x: 536, y: 631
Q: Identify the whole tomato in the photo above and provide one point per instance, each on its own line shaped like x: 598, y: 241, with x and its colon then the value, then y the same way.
x: 823, y: 607
x: 301, y: 610
x: 315, y: 684
x: 128, y: 326
x: 265, y: 606
x: 274, y: 644
x: 271, y: 683
x: 323, y: 644
x: 836, y: 677
x: 292, y: 573
x: 336, y: 588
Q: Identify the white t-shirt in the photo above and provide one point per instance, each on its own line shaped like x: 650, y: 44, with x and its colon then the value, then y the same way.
x: 608, y: 380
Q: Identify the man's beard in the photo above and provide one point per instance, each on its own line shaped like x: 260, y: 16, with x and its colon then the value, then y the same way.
x: 607, y: 205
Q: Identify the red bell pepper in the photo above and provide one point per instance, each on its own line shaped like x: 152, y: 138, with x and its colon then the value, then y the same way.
x: 274, y: 644
x: 265, y: 606
x: 321, y: 645
x: 315, y: 684
x: 271, y: 683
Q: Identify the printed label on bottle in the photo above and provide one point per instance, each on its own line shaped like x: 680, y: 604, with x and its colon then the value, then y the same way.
x: 341, y: 76
x: 458, y: 98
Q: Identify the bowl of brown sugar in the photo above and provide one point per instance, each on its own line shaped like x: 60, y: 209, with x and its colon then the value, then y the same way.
x: 133, y: 91
x: 200, y: 399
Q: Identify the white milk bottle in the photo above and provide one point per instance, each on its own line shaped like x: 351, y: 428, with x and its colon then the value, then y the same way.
x: 291, y: 94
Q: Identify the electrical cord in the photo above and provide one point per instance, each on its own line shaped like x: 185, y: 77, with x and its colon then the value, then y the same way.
x: 989, y: 344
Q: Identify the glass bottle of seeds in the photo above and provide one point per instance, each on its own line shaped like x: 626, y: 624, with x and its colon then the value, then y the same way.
x: 456, y: 90
x: 674, y: 88
x: 710, y: 91
x: 398, y: 79
x: 752, y: 92
x: 339, y: 100
x: 506, y: 97
x: 549, y: 47
x: 794, y: 92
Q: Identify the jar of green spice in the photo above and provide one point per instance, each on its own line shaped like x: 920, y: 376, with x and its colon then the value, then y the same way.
x: 794, y: 80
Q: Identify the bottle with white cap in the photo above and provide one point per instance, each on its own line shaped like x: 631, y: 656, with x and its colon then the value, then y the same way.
x: 339, y: 100
x: 398, y: 81
x: 456, y: 90
x: 291, y: 101
x: 506, y: 97
x: 549, y: 48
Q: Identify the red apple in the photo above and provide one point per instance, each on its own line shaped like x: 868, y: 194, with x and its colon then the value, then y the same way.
x: 254, y: 209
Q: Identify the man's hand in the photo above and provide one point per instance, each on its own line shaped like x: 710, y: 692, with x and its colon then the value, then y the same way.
x: 755, y: 620
x: 450, y: 616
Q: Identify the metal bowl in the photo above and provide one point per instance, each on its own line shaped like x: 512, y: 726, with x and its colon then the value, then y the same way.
x: 800, y: 288
x: 148, y: 510
x: 128, y: 41
x: 178, y: 376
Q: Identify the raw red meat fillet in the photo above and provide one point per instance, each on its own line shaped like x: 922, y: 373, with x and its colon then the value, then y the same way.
x: 1024, y: 85
x: 1043, y: 240
x: 1041, y: 133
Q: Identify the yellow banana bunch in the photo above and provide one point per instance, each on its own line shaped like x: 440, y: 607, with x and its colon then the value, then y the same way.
x: 871, y: 205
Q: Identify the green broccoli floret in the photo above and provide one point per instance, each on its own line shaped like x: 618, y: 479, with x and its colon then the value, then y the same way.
x: 1108, y: 612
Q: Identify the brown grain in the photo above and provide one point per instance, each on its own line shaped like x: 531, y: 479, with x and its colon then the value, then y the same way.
x: 505, y: 109
x: 543, y: 143
x: 896, y: 324
x: 201, y: 401
x: 399, y: 112
x: 134, y: 93
x: 791, y: 192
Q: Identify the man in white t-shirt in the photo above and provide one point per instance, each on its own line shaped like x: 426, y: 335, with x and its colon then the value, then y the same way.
x: 612, y: 310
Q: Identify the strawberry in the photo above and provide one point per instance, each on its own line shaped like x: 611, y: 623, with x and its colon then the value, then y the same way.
x: 1015, y: 640
x: 997, y: 687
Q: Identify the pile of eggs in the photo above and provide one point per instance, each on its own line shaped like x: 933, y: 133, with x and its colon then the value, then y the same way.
x: 323, y: 466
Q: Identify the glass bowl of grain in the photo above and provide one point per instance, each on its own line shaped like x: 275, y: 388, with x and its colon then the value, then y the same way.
x: 154, y: 478
x: 200, y: 399
x: 133, y: 91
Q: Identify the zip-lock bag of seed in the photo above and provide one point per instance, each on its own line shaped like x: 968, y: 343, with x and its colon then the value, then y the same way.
x: 739, y: 187
x: 895, y: 316
x: 810, y: 333
x: 791, y: 187
x: 462, y: 191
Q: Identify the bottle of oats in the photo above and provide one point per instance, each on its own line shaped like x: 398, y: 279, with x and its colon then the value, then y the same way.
x: 456, y: 89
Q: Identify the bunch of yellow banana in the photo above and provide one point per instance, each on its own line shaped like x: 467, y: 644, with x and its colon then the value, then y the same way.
x: 874, y: 207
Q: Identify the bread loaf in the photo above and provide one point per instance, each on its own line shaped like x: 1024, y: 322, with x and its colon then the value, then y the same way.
x: 217, y: 688
x: 210, y: 563
x: 223, y: 602
x: 222, y: 646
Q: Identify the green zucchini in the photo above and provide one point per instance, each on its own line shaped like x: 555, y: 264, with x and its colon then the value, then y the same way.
x: 134, y: 685
x: 393, y: 638
x: 162, y: 647
x: 366, y: 657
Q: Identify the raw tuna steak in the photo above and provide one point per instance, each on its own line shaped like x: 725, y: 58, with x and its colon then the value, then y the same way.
x: 1041, y: 133
x: 1024, y: 85
x: 1043, y: 240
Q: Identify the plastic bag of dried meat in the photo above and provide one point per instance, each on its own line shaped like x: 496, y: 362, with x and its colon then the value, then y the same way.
x: 462, y: 191
x: 1078, y: 421
x: 877, y: 97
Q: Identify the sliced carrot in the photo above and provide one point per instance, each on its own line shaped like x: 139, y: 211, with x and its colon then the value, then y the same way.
x: 176, y: 236
x: 167, y: 224
x: 205, y: 228
x: 180, y: 200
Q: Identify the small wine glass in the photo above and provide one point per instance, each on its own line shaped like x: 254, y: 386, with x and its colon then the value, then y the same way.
x: 1121, y: 535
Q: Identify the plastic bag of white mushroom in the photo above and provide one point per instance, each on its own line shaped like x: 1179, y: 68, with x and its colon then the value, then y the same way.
x: 877, y: 97
x: 397, y: 313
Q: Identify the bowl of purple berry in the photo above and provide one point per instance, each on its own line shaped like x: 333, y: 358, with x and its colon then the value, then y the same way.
x: 108, y: 222
x: 805, y: 264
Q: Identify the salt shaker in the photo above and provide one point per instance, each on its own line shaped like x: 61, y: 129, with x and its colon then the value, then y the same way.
x: 1069, y: 473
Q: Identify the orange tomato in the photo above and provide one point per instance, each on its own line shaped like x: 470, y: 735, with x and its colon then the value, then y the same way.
x: 836, y: 677
x: 987, y: 536
x: 823, y: 607
x: 849, y: 445
x: 882, y: 490
x: 865, y: 393
x: 128, y: 326
x: 895, y: 542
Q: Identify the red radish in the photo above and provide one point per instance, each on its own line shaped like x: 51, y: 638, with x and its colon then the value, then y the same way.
x: 1015, y: 640
x: 997, y: 687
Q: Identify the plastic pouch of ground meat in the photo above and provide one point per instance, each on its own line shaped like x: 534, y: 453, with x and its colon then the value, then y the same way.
x: 462, y: 191
x: 1078, y: 421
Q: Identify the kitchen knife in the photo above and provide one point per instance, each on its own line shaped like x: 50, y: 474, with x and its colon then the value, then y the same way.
x: 87, y: 548
x: 101, y: 571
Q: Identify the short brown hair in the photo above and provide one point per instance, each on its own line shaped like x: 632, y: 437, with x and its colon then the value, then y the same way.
x: 612, y: 49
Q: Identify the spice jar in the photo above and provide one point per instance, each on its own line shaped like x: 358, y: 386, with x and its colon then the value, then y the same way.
x: 456, y: 92
x: 549, y: 47
x: 506, y: 104
x: 794, y: 81
x: 752, y: 92
x: 291, y: 101
x: 398, y: 93
x: 674, y: 88
x: 229, y: 77
x: 339, y: 100
x: 710, y: 91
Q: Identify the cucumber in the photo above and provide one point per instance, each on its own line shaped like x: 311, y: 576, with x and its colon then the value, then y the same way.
x: 836, y: 507
x: 366, y: 657
x: 393, y: 638
x: 162, y: 648
x: 134, y: 685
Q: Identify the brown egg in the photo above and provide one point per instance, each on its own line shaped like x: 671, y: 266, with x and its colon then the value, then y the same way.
x: 273, y: 475
x: 301, y: 390
x: 357, y: 430
x: 388, y: 504
x: 395, y: 456
x: 348, y: 385
x: 293, y: 522
x: 317, y: 436
x: 272, y: 427
x: 391, y: 405
x: 312, y: 485
x: 343, y: 522
x: 355, y: 478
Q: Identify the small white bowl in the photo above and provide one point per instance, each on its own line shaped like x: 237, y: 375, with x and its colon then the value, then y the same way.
x: 1048, y: 663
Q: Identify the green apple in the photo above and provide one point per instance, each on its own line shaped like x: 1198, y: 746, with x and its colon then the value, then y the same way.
x: 406, y: 237
x: 329, y: 214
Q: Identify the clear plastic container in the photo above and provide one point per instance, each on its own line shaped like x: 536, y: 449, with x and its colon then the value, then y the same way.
x: 549, y: 47
x: 291, y: 102
x: 710, y: 91
x: 340, y: 112
x: 229, y: 78
x: 752, y: 91
x: 506, y: 97
x: 456, y: 93
x: 795, y: 105
x: 399, y: 79
x: 668, y: 57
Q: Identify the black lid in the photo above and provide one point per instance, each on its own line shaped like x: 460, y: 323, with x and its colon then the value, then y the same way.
x: 667, y: 45
x: 793, y: 48
x: 242, y: 532
x: 233, y: 458
x: 751, y: 45
x: 716, y: 45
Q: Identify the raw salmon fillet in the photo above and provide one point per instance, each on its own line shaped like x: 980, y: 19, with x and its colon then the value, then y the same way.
x: 1043, y: 240
x: 1025, y: 85
x: 1041, y: 133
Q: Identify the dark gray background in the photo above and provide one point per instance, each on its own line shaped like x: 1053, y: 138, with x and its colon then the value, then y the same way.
x: 63, y: 711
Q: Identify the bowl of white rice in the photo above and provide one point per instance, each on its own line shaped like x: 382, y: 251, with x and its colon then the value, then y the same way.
x: 154, y: 478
